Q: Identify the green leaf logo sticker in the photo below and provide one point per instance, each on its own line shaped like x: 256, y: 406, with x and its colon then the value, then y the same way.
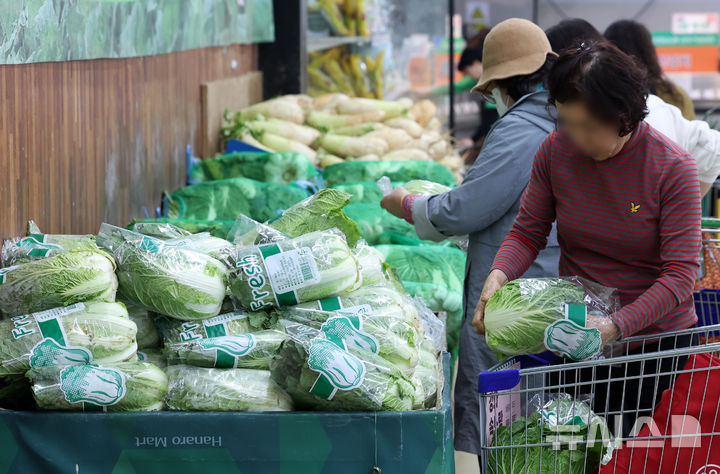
x: 92, y: 384
x: 346, y: 331
x: 572, y: 340
x: 228, y: 348
x: 49, y: 352
x: 339, y: 370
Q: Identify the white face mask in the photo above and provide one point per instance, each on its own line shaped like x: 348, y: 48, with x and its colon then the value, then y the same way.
x: 499, y: 101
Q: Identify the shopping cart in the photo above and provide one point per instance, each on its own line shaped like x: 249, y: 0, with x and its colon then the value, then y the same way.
x: 707, y: 296
x: 594, y: 416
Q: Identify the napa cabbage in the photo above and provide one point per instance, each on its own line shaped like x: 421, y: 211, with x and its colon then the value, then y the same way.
x: 82, y: 274
x: 201, y: 389
x: 169, y: 280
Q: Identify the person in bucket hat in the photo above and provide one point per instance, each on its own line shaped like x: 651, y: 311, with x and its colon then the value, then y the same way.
x: 516, y: 60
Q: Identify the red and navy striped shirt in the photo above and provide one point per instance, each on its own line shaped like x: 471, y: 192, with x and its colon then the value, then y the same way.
x: 631, y: 222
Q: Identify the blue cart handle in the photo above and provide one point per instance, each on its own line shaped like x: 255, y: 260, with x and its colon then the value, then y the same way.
x: 498, y: 380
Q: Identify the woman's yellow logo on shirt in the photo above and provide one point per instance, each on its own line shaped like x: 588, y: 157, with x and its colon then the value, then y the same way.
x: 634, y: 208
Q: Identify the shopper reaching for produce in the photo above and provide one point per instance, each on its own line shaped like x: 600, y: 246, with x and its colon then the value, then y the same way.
x: 626, y: 201
x: 516, y: 59
x: 695, y: 136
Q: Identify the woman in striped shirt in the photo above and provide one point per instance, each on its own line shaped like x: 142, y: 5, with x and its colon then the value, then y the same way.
x: 625, y: 198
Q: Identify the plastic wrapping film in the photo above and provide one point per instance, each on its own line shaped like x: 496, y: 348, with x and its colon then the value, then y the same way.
x: 201, y: 389
x: 126, y: 386
x: 248, y: 351
x: 227, y: 324
x: 217, y: 228
x: 246, y: 231
x: 155, y: 356
x: 371, y: 263
x: 319, y: 372
x: 321, y: 211
x: 276, y: 168
x: 228, y: 198
x: 147, y: 333
x: 518, y: 314
x: 428, y: 374
x: 82, y: 333
x: 169, y: 280
x: 380, y: 300
x: 310, y: 267
x: 37, y: 246
x: 159, y: 230
x: 83, y: 274
x: 433, y: 326
x: 391, y: 337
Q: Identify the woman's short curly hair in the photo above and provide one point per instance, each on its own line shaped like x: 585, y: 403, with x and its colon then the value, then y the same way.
x: 609, y: 81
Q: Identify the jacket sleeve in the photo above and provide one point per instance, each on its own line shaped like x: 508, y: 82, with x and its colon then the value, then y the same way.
x: 695, y: 136
x: 490, y: 189
x: 534, y: 221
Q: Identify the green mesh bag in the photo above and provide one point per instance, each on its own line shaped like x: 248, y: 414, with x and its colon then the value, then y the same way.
x: 353, y: 171
x: 377, y: 226
x: 361, y: 192
x: 228, y: 198
x: 194, y: 226
x: 277, y: 168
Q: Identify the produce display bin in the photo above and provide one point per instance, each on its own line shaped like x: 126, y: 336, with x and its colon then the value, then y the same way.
x: 233, y: 443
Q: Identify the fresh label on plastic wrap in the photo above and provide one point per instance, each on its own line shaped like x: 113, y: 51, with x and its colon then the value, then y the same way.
x: 346, y: 331
x: 37, y: 245
x: 92, y: 385
x: 256, y: 280
x: 576, y: 313
x: 52, y: 349
x: 228, y: 349
x: 572, y: 340
x: 356, y: 310
x: 217, y: 325
x: 338, y: 369
x: 151, y: 245
x: 4, y: 272
x: 502, y: 408
x: 289, y: 271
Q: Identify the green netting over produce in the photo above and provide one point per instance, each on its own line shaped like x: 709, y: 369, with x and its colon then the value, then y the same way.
x: 228, y: 198
x: 434, y: 273
x: 277, y: 168
x: 194, y: 226
x: 353, y: 171
x: 377, y: 226
x: 362, y: 191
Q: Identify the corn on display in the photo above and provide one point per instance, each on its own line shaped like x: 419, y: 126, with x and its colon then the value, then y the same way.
x: 339, y: 70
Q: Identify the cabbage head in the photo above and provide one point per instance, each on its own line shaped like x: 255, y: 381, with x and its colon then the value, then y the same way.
x: 165, y: 279
x: 518, y: 313
x: 126, y: 386
x: 82, y: 274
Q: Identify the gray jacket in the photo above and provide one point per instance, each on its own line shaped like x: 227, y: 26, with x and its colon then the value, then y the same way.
x: 485, y: 206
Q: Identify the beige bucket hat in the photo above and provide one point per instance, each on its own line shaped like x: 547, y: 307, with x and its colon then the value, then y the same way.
x: 514, y: 47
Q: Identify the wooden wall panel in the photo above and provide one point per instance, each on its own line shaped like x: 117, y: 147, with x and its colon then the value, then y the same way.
x: 84, y: 142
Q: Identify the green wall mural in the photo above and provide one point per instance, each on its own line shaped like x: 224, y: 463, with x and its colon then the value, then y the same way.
x: 63, y: 30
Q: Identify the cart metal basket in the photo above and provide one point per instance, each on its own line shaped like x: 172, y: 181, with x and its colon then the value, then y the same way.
x: 578, y: 417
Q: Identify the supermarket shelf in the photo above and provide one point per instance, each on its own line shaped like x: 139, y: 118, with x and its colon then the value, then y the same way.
x: 319, y: 43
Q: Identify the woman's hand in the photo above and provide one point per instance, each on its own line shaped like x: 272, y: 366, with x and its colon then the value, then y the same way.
x: 495, y: 280
x: 393, y: 202
x: 609, y: 332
